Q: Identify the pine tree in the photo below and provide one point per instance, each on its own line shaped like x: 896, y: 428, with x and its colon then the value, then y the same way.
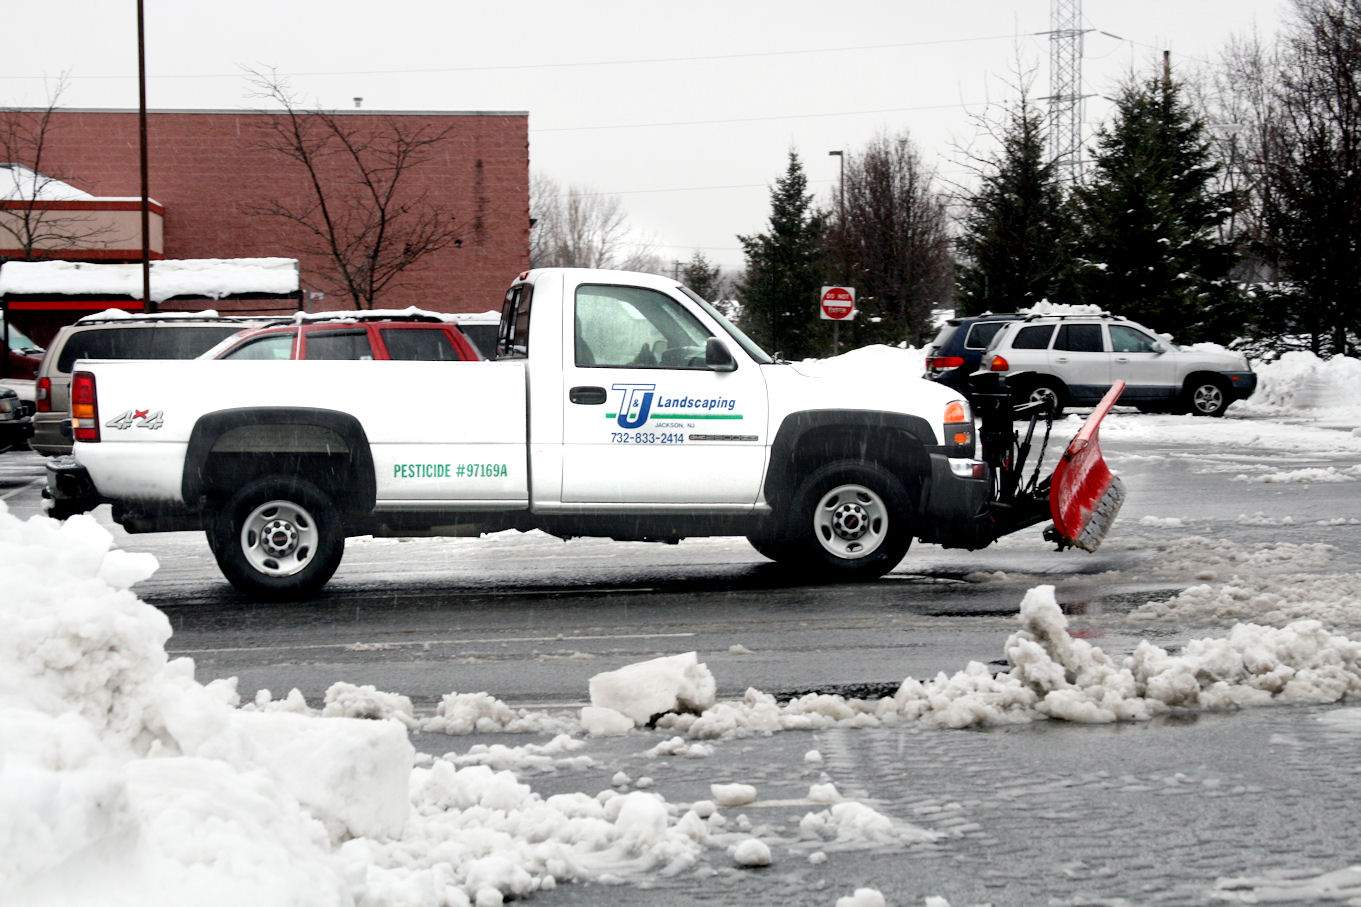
x: 1148, y: 246
x: 779, y: 292
x: 1016, y: 225
x: 702, y: 277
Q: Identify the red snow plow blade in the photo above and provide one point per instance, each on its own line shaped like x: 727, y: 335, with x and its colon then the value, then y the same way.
x: 1084, y: 496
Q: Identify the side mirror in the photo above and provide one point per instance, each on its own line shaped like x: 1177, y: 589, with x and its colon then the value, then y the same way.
x: 717, y: 356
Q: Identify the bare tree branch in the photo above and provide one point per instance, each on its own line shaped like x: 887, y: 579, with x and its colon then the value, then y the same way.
x: 358, y: 211
x: 27, y: 184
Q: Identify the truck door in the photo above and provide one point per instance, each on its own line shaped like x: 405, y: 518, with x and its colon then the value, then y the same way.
x: 646, y: 421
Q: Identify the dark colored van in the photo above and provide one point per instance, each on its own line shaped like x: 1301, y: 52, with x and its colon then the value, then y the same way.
x: 955, y: 353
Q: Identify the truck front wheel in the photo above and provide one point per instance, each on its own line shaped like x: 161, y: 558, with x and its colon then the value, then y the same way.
x: 851, y: 520
x: 278, y: 538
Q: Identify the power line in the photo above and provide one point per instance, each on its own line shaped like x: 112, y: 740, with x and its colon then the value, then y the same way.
x: 581, y: 64
x: 787, y: 116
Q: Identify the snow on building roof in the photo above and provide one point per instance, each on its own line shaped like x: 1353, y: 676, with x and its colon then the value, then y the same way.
x: 24, y: 184
x: 210, y: 277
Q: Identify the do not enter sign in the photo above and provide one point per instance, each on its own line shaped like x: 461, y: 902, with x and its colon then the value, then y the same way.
x: 838, y: 303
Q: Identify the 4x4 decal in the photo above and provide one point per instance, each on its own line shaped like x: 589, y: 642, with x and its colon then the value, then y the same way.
x: 136, y: 418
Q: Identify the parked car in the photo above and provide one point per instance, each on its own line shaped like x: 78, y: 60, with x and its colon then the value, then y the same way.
x: 15, y: 426
x: 1072, y: 360
x: 351, y: 335
x: 22, y: 355
x: 115, y: 336
x: 957, y: 349
x: 479, y: 328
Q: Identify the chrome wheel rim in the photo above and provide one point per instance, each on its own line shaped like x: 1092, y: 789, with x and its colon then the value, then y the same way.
x: 851, y: 521
x: 279, y: 538
x: 1207, y: 398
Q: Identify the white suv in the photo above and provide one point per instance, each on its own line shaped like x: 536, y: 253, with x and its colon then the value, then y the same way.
x: 1072, y: 360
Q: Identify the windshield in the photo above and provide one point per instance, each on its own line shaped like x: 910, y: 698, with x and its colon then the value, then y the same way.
x: 18, y: 340
x: 742, y: 339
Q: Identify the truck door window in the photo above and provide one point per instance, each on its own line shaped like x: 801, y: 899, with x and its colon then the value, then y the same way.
x: 634, y: 327
x: 348, y: 344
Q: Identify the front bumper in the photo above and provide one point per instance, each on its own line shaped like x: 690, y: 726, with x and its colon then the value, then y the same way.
x: 956, y: 505
x: 1241, y: 384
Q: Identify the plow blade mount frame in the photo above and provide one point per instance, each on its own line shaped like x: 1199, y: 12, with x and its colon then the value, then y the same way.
x: 1084, y: 496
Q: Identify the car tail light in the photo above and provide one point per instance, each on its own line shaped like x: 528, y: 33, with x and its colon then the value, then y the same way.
x: 958, y: 425
x: 84, y: 407
x: 942, y: 362
x: 998, y: 364
x: 42, y: 395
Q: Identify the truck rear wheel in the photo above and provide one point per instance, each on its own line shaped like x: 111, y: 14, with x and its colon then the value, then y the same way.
x: 278, y: 538
x: 851, y: 520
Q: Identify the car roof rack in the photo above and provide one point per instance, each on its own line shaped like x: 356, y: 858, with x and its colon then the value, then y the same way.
x: 1035, y: 316
x: 342, y: 316
x: 172, y: 318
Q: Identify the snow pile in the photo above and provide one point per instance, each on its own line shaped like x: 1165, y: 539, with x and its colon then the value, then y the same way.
x: 1301, y: 380
x: 123, y: 781
x: 24, y: 184
x: 211, y: 277
x: 1054, y: 675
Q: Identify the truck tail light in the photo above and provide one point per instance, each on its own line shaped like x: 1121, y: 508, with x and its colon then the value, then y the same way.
x: 944, y: 362
x: 998, y: 364
x: 42, y: 395
x: 84, y: 407
x: 958, y: 427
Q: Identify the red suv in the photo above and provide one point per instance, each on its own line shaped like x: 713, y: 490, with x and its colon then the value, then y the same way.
x: 351, y: 336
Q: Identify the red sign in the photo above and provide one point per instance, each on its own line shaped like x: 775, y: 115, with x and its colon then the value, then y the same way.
x: 838, y: 303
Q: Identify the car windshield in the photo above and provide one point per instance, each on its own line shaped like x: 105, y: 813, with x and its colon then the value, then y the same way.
x: 18, y: 340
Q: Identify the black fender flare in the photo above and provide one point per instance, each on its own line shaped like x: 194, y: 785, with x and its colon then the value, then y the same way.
x: 817, y: 435
x: 361, y: 495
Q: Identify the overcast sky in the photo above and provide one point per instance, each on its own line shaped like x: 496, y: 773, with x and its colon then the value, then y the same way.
x: 685, y: 111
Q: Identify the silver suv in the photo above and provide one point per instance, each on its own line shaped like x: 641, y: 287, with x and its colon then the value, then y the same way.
x: 1072, y: 360
x: 116, y: 336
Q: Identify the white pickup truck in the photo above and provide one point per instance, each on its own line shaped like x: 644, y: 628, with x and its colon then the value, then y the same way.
x: 619, y: 405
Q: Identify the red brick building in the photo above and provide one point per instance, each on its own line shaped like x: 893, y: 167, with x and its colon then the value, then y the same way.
x: 209, y: 170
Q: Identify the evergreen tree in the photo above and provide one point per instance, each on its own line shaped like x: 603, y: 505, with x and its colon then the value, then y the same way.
x: 1016, y: 224
x: 702, y: 277
x: 1148, y: 220
x: 779, y: 292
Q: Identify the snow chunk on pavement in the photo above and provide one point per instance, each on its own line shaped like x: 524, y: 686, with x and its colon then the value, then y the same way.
x: 752, y: 852
x: 730, y: 795
x: 675, y: 683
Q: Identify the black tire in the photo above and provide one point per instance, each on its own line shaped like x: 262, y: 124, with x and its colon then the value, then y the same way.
x: 850, y: 520
x: 1043, y: 390
x: 780, y: 550
x: 1206, y: 397
x: 278, y: 538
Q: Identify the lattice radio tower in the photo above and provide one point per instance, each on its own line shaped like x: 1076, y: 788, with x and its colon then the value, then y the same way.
x: 1065, y: 88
